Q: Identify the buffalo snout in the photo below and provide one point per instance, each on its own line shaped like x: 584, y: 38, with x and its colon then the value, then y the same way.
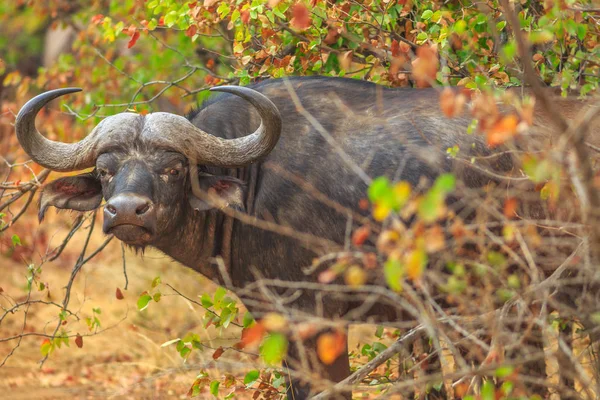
x: 130, y: 217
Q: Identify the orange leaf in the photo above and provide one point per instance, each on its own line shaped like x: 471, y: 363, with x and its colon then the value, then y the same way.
x: 416, y: 261
x: 503, y: 130
x: 510, y: 207
x: 119, y: 294
x: 434, y: 239
x: 245, y: 16
x: 447, y: 99
x: 98, y: 18
x: 131, y: 30
x: 252, y: 335
x: 79, y: 341
x: 361, y: 235
x: 330, y: 346
x: 218, y: 353
x: 301, y: 17
x: 404, y: 47
x: 425, y: 66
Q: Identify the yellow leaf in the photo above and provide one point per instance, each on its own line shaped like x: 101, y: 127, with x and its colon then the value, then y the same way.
x: 355, y: 276
x: 381, y: 211
x: 274, y: 322
x: 416, y: 261
x: 402, y: 192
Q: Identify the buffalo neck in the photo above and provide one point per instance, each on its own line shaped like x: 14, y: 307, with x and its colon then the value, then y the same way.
x: 196, y: 241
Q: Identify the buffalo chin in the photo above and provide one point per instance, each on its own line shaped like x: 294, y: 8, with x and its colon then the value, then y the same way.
x: 133, y: 235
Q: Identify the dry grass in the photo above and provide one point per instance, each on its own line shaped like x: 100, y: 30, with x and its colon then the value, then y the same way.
x: 127, y: 360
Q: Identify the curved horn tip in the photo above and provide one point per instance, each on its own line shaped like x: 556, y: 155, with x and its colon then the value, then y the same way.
x: 36, y: 103
x: 224, y: 88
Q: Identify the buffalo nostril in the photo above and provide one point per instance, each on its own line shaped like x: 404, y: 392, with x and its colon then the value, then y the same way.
x: 142, y: 209
x: 111, y: 209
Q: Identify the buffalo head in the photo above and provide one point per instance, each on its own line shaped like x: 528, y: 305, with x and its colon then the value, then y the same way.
x: 142, y: 165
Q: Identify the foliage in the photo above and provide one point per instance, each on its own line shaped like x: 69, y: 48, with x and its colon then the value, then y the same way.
x: 152, y: 55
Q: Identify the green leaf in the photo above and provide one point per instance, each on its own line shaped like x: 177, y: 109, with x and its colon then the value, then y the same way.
x: 219, y: 294
x: 378, y: 188
x: 248, y: 319
x: 445, y: 183
x: 393, y: 271
x: 157, y: 297
x: 251, y: 377
x: 427, y: 14
x: 206, y: 301
x: 156, y: 281
x: 46, y: 347
x: 152, y: 24
x: 488, y: 391
x: 273, y: 348
x: 170, y: 18
x: 503, y: 372
x: 214, y: 388
x: 16, y: 240
x: 143, y: 301
x: 460, y: 26
x: 185, y: 351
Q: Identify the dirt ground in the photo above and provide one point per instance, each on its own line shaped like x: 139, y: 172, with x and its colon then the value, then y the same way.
x: 126, y: 361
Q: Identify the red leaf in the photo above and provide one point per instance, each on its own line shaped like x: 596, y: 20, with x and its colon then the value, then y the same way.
x: 218, y: 353
x: 133, y: 40
x: 191, y: 31
x: 395, y: 48
x: 119, y: 294
x: 79, y: 341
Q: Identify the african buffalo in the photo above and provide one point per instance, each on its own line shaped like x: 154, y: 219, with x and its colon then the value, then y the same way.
x: 142, y: 170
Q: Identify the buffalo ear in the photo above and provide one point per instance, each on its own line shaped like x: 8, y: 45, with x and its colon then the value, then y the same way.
x: 80, y: 193
x: 230, y: 190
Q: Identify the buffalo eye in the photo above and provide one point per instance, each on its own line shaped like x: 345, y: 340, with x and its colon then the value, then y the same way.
x: 173, y: 172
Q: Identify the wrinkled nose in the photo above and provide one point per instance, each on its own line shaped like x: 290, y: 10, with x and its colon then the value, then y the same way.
x: 128, y: 209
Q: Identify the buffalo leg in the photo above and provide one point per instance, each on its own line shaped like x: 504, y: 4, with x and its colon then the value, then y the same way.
x: 304, y: 363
